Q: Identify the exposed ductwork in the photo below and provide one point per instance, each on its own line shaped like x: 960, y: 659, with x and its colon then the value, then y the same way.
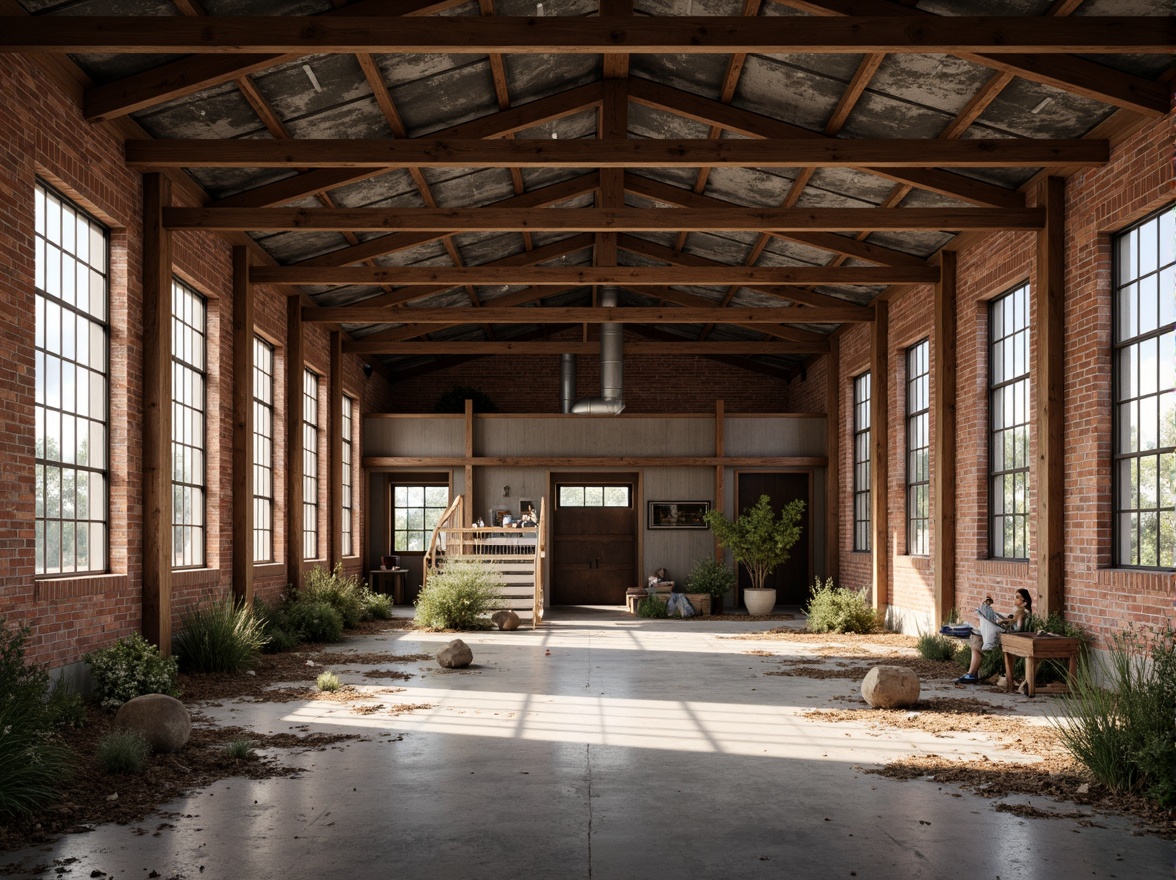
x: 612, y: 368
x: 567, y: 382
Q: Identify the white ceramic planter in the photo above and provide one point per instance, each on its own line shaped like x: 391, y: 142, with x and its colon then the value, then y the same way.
x: 759, y: 602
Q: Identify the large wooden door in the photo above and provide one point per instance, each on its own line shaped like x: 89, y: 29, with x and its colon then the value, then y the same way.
x: 593, y: 538
x: 792, y: 579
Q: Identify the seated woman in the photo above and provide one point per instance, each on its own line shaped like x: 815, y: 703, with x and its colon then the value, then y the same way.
x: 1015, y: 622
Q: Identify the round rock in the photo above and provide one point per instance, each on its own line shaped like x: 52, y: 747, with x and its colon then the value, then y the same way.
x: 163, y: 721
x: 455, y: 655
x: 890, y: 687
x: 505, y: 620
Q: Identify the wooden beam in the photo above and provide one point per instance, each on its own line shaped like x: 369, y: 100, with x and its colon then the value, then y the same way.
x: 586, y: 315
x: 334, y: 422
x: 1049, y: 293
x: 833, y: 437
x: 720, y: 469
x: 157, y: 421
x: 879, y: 454
x: 944, y: 453
x: 547, y: 349
x: 468, y: 513
x: 447, y: 220
x: 755, y: 125
x: 628, y: 153
x: 561, y: 276
x: 295, y: 357
x: 242, y: 428
x: 694, y: 35
x: 605, y: 461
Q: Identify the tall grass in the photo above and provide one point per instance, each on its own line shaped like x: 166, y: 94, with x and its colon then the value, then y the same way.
x: 219, y: 635
x: 124, y: 752
x: 342, y: 592
x: 1125, y: 733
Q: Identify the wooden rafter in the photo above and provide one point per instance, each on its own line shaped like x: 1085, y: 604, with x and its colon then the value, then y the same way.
x: 744, y: 348
x: 591, y: 315
x: 599, y: 220
x: 659, y: 153
x: 993, y: 36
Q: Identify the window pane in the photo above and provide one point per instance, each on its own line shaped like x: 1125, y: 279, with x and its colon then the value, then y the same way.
x: 616, y: 496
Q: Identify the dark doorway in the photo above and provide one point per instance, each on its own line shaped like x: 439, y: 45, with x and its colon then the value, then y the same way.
x: 792, y: 579
x: 593, y: 538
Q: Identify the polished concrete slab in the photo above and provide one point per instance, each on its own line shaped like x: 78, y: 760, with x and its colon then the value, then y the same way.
x: 605, y: 746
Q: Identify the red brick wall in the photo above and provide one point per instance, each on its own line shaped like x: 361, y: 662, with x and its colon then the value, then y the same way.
x: 1099, y: 202
x: 43, y: 135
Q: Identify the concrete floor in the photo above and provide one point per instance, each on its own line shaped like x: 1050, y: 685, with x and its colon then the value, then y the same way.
x: 634, y: 749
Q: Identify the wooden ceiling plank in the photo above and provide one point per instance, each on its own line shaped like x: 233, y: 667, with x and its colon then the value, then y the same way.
x: 494, y: 219
x: 588, y: 315
x: 632, y: 153
x: 985, y: 35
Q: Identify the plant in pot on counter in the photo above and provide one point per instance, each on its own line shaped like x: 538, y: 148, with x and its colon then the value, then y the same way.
x: 760, y: 541
x: 712, y: 577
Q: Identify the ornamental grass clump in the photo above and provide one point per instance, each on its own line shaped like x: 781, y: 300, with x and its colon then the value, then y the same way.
x: 130, y: 668
x: 342, y: 592
x: 459, y: 596
x: 239, y: 749
x: 124, y: 752
x: 219, y: 635
x: 33, y: 761
x: 328, y: 682
x: 1125, y: 733
x: 840, y: 610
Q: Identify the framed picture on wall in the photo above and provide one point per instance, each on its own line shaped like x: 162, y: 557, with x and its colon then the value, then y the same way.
x: 677, y: 514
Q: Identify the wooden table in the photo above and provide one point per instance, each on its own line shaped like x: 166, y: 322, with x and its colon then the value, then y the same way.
x: 379, y: 578
x: 1034, y: 647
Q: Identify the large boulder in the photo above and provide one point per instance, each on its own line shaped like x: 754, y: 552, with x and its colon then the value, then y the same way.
x: 890, y: 687
x: 455, y: 655
x: 505, y: 620
x: 163, y: 721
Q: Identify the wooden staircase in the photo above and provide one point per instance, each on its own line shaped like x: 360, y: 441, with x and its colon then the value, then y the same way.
x: 516, y: 555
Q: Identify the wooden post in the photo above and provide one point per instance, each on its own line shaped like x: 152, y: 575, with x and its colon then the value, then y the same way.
x: 242, y: 427
x: 944, y: 454
x: 1049, y: 320
x: 468, y: 507
x: 833, y: 453
x: 157, y: 404
x: 335, y: 451
x: 294, y: 445
x: 879, y: 450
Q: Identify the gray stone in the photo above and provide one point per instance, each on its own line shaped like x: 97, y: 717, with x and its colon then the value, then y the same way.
x: 890, y: 687
x: 455, y: 655
x: 505, y: 620
x: 163, y: 721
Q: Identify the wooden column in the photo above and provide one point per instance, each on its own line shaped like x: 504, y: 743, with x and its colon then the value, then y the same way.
x: 1049, y: 321
x: 879, y: 451
x: 335, y: 450
x: 157, y: 403
x: 720, y: 469
x: 944, y: 454
x: 294, y: 446
x: 468, y: 512
x: 242, y: 427
x: 833, y: 436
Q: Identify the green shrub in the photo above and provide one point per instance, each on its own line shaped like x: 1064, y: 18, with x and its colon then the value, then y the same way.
x: 458, y: 596
x: 342, y: 592
x: 315, y: 621
x: 934, y: 646
x: 651, y: 607
x: 711, y: 577
x: 219, y: 635
x: 65, y: 706
x: 840, y: 610
x: 1124, y: 735
x: 280, y: 634
x: 124, y: 752
x: 328, y: 681
x: 376, y: 606
x: 130, y: 668
x: 239, y: 749
x: 33, y: 761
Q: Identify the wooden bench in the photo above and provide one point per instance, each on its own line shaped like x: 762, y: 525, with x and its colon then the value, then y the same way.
x: 1034, y: 647
x: 700, y: 601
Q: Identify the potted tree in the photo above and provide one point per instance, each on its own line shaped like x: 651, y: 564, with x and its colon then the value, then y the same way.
x: 760, y: 542
x: 713, y: 578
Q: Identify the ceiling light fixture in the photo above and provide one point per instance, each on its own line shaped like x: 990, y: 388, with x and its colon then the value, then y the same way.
x: 539, y: 10
x: 1041, y: 106
x: 310, y: 76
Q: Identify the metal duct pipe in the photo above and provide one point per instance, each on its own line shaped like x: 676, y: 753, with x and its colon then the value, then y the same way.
x: 612, y: 370
x: 567, y: 382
